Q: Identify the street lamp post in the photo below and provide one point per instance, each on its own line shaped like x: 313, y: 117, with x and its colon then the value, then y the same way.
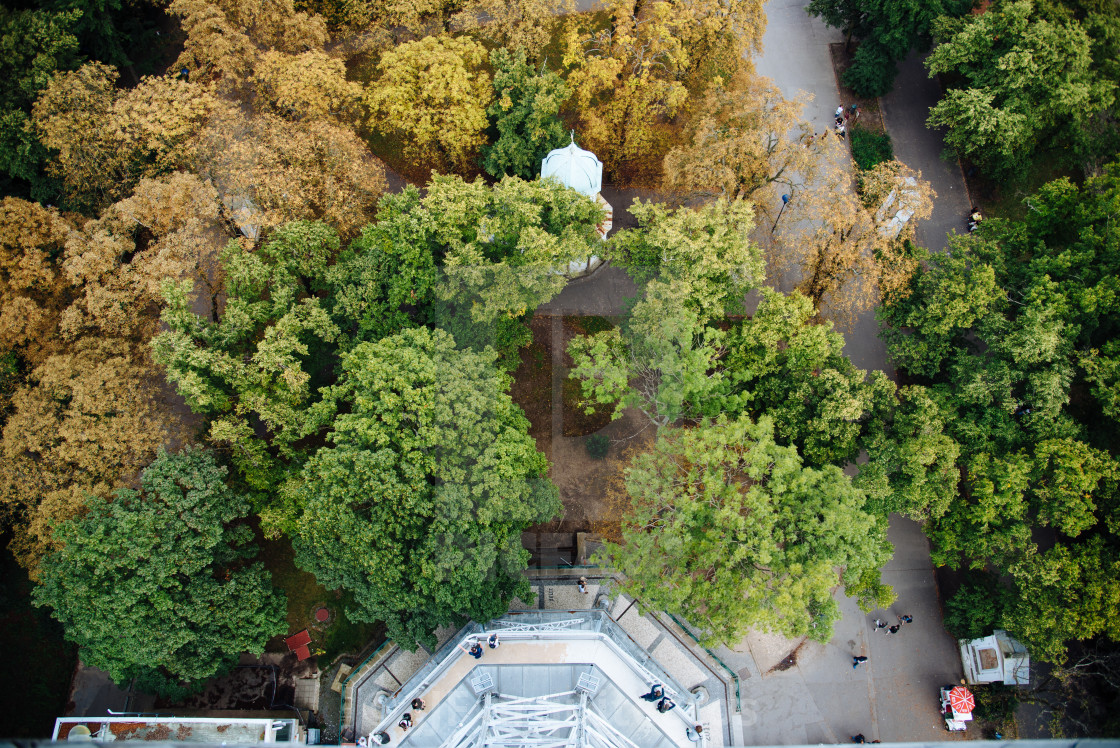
x: 785, y: 202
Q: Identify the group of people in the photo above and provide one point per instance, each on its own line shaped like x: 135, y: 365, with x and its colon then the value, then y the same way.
x: 418, y: 705
x: 657, y: 693
x: 842, y: 117
x: 902, y: 621
x: 476, y: 649
x: 890, y: 629
x: 664, y: 704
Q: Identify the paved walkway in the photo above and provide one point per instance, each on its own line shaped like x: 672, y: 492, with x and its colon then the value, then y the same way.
x: 905, y: 110
x: 894, y: 696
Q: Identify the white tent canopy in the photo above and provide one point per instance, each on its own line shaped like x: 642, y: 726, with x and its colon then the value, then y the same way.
x: 574, y: 167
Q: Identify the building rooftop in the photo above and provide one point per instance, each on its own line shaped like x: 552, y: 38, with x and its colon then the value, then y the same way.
x: 176, y: 729
x: 570, y: 678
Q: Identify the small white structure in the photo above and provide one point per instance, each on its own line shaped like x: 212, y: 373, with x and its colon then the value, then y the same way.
x: 995, y: 659
x: 574, y: 167
x: 581, y: 170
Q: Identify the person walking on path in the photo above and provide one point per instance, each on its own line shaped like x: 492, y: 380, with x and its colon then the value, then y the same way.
x: 406, y: 722
x: 493, y: 641
x: 858, y: 660
x: 583, y: 585
x: 903, y: 620
x: 839, y: 111
x: 693, y: 733
x: 880, y: 624
x: 665, y: 705
x: 418, y: 704
x: 655, y: 693
x: 476, y: 651
x: 859, y: 738
x: 893, y: 630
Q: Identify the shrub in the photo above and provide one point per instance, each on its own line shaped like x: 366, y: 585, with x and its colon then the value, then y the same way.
x: 594, y: 324
x: 977, y: 608
x: 598, y: 445
x: 869, y: 148
x: 872, y: 71
x: 996, y: 702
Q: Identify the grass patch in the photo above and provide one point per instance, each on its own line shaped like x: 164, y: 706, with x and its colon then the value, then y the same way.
x: 870, y: 149
x: 304, y: 595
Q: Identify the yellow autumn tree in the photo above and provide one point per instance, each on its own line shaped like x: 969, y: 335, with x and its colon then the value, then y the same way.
x: 513, y: 24
x: 749, y: 142
x: 844, y: 255
x: 33, y: 288
x: 311, y: 85
x: 69, y: 119
x: 91, y: 412
x: 432, y: 95
x: 269, y: 171
x: 104, y: 141
x: 86, y: 421
x: 225, y: 37
x: 720, y: 35
x: 624, y: 87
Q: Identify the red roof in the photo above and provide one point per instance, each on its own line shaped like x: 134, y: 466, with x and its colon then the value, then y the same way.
x: 295, y: 641
x: 302, y: 652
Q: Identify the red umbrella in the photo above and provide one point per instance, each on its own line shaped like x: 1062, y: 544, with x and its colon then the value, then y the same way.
x: 961, y: 700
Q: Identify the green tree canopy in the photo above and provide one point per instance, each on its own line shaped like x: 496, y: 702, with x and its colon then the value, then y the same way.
x: 783, y: 366
x: 729, y: 530
x: 1013, y: 335
x: 663, y: 361
x: 525, y: 112
x: 157, y: 581
x: 705, y: 254
x: 887, y: 30
x: 1024, y: 79
x: 418, y: 504
x: 264, y: 356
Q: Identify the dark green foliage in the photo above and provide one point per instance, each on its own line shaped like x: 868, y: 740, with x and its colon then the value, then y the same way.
x: 9, y: 379
x: 996, y: 702
x: 977, y: 608
x: 870, y: 148
x: 34, y: 44
x: 593, y: 324
x: 158, y: 582
x: 783, y: 366
x: 525, y: 114
x: 598, y: 445
x: 262, y: 360
x: 872, y: 71
x: 1020, y: 82
x: 887, y: 31
x: 1013, y: 331
x: 505, y: 335
x: 383, y: 282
